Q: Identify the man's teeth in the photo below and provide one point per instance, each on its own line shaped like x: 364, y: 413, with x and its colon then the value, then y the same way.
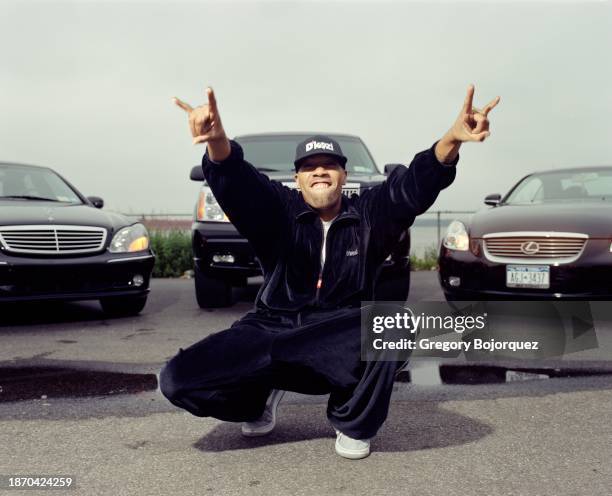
x: 320, y: 186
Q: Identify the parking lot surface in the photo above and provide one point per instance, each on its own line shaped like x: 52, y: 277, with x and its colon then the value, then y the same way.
x: 540, y: 436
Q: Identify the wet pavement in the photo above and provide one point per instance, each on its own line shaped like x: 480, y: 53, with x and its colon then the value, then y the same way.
x: 548, y: 437
x: 28, y: 383
x: 73, y: 349
x: 89, y: 406
x: 24, y: 383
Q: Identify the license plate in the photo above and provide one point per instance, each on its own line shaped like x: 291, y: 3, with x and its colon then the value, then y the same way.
x: 528, y: 276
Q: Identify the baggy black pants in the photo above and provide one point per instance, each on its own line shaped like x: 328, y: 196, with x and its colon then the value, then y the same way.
x: 229, y: 375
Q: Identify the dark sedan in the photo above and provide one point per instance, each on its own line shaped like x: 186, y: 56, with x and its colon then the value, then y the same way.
x: 548, y: 238
x: 55, y: 244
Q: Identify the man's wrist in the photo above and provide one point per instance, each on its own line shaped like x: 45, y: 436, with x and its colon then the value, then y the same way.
x: 447, y: 149
x: 219, y: 149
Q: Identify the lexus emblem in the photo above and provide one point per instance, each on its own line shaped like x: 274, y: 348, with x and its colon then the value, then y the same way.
x: 530, y: 247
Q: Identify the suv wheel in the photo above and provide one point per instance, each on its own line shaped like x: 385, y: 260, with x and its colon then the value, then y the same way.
x: 212, y: 293
x: 123, y: 306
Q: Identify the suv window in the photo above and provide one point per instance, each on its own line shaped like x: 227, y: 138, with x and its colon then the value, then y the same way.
x: 276, y: 153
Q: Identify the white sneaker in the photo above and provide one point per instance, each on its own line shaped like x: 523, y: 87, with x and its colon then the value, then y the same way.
x: 266, y: 423
x: 353, y: 449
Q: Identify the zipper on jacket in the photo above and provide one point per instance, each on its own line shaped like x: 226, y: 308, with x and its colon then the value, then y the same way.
x: 319, y: 285
x: 324, y: 237
x: 320, y: 278
x: 340, y: 216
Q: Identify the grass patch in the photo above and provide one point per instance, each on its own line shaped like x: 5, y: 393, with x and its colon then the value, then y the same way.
x: 173, y: 253
x: 428, y: 261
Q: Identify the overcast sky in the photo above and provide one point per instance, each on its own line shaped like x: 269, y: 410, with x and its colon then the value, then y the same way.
x: 86, y: 87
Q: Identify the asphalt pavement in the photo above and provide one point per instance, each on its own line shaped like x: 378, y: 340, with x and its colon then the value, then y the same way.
x: 93, y: 412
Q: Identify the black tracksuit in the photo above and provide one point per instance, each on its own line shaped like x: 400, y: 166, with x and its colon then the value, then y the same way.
x: 303, y: 336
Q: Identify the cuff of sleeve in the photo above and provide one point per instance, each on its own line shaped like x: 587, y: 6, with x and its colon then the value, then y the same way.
x: 450, y: 164
x: 236, y: 155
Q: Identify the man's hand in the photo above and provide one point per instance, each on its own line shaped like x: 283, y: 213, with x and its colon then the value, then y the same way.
x: 206, y: 127
x: 472, y: 124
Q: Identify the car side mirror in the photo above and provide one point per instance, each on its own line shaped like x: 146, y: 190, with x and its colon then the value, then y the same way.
x: 389, y: 168
x: 96, y: 201
x: 493, y: 199
x: 197, y: 174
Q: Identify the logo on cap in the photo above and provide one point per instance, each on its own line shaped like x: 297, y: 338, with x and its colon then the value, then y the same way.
x: 316, y: 145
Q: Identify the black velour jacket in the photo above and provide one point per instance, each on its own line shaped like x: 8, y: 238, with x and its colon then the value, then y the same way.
x: 287, y: 234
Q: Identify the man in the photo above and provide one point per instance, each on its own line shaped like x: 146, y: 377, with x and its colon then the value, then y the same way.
x: 320, y: 254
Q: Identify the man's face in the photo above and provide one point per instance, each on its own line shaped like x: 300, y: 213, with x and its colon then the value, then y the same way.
x: 320, y: 178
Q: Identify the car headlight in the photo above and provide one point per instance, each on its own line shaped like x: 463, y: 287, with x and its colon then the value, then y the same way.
x: 456, y: 237
x: 208, y: 208
x: 130, y: 239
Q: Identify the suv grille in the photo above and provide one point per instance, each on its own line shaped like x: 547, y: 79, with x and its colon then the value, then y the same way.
x: 52, y: 240
x: 348, y: 189
x: 532, y: 246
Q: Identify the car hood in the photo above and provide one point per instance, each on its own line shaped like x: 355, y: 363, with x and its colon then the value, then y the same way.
x: 29, y: 212
x: 591, y: 218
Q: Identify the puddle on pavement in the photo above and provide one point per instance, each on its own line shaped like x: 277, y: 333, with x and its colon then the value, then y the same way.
x: 435, y: 374
x: 26, y: 383
x: 478, y: 374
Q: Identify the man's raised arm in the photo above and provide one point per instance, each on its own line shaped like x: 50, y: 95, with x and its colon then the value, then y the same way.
x: 410, y: 191
x: 253, y: 203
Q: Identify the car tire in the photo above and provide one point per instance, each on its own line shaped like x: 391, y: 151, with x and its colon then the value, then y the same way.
x: 210, y: 292
x: 123, y: 306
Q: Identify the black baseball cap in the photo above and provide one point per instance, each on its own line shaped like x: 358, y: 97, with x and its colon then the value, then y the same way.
x: 316, y: 145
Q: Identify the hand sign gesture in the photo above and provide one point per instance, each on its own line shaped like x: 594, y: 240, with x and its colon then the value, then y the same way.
x: 472, y: 123
x: 206, y: 127
x: 204, y: 121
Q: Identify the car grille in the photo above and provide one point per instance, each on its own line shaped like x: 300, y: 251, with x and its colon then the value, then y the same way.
x: 52, y: 240
x: 525, y: 246
x: 350, y: 189
x: 64, y: 279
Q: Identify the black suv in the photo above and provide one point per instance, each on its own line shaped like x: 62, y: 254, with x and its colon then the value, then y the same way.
x: 224, y: 259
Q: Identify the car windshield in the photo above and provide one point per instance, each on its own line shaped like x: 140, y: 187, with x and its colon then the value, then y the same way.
x: 573, y: 185
x: 276, y: 153
x: 23, y: 183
